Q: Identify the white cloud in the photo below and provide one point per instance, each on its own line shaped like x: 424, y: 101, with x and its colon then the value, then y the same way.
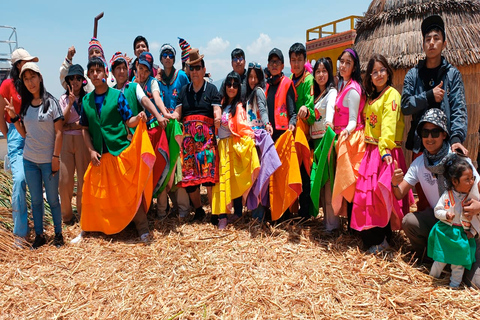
x: 218, y: 68
x: 154, y: 47
x: 260, y: 46
x: 215, y: 46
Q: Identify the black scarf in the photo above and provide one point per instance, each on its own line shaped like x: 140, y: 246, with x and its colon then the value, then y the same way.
x: 435, y: 164
x: 168, y: 78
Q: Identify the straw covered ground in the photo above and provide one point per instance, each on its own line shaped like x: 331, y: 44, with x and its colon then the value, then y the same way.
x: 249, y: 271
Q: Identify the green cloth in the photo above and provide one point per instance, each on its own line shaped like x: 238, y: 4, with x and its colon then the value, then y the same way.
x: 109, y: 126
x: 449, y: 244
x: 322, y: 168
x: 173, y: 131
x: 130, y: 94
x: 304, y: 91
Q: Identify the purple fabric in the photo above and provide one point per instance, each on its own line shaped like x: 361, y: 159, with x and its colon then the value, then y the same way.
x: 270, y: 162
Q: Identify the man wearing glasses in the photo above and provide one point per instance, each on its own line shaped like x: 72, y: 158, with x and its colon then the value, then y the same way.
x: 427, y: 170
x: 199, y: 107
x: 434, y: 83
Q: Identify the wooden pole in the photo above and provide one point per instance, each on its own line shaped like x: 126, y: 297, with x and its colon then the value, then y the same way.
x: 95, y: 25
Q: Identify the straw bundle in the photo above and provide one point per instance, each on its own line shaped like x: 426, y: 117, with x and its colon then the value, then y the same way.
x: 195, y: 271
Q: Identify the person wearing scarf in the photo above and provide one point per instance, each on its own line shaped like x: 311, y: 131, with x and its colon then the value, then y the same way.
x: 427, y: 170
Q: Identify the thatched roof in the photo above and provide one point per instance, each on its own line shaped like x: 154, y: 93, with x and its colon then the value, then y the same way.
x: 392, y: 28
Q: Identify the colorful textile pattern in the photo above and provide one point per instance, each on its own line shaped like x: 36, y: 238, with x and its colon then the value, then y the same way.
x: 238, y: 168
x: 350, y: 151
x: 322, y: 167
x: 161, y: 168
x: 374, y: 204
x: 301, y: 145
x: 174, y: 136
x: 286, y: 182
x: 449, y: 244
x: 198, y: 151
x: 126, y: 178
x: 270, y: 162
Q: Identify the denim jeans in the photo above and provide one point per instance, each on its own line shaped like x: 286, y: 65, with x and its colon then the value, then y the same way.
x: 15, y: 144
x: 35, y: 174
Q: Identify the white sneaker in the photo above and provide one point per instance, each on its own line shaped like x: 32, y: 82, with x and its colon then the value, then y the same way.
x: 78, y: 238
x: 376, y: 249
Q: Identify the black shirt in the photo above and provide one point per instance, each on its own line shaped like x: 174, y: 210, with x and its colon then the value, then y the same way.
x: 198, y: 103
x: 430, y: 78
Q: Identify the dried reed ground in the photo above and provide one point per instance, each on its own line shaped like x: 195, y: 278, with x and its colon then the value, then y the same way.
x: 194, y: 271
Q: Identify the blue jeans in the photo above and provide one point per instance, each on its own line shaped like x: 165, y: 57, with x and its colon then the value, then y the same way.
x: 15, y: 144
x: 35, y: 174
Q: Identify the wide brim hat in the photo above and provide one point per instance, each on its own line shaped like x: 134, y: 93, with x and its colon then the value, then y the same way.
x: 435, y: 116
x: 22, y: 55
x: 75, y: 70
x: 195, y: 56
x: 30, y: 66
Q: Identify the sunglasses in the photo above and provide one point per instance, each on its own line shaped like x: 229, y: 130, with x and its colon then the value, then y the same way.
x: 254, y: 65
x: 167, y: 55
x: 233, y: 85
x: 435, y: 133
x: 78, y: 78
x: 237, y: 59
x: 196, y: 68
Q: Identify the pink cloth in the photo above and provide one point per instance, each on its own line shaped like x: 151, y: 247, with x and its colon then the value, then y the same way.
x: 74, y: 116
x: 374, y: 201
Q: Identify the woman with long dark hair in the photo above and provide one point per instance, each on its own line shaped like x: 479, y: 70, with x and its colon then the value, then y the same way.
x: 40, y: 122
x: 374, y: 214
x: 74, y: 155
x: 256, y: 104
x: 325, y: 95
x: 348, y: 124
x: 15, y: 142
x: 236, y: 149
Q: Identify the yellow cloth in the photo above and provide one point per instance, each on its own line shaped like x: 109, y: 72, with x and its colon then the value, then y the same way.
x: 113, y: 191
x: 238, y: 169
x: 350, y: 153
x: 384, y: 120
x: 286, y: 182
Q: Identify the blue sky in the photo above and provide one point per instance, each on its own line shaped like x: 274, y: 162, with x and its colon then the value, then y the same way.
x: 48, y: 28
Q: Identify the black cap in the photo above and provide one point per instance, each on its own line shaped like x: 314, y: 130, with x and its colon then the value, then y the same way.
x: 431, y: 22
x: 276, y: 52
x: 75, y: 70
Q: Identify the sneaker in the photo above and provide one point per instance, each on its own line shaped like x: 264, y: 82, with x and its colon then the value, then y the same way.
x: 232, y: 218
x: 39, y: 241
x: 145, y: 237
x: 199, y: 214
x: 78, y: 238
x: 222, y: 223
x: 376, y: 249
x: 58, y: 240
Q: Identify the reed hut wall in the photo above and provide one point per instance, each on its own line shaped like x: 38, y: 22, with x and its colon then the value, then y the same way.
x: 392, y: 28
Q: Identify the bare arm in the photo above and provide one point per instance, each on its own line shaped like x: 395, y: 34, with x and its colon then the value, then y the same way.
x: 3, y: 123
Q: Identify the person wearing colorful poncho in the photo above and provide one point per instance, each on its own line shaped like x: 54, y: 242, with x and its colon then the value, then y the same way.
x: 199, y: 107
x: 171, y: 82
x: 303, y: 81
x: 118, y: 183
x: 238, y: 159
x: 322, y: 139
x: 348, y: 124
x: 375, y: 211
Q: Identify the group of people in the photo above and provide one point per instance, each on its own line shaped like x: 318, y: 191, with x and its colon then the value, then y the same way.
x: 280, y: 146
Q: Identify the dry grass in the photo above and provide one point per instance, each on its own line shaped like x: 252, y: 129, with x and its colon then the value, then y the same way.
x: 249, y: 271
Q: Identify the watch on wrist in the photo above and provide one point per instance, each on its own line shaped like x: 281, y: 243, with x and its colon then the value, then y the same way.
x: 15, y: 119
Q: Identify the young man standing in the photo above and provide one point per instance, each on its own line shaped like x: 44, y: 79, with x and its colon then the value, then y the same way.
x: 427, y: 171
x: 238, y: 65
x: 303, y: 82
x: 434, y: 83
x: 112, y: 199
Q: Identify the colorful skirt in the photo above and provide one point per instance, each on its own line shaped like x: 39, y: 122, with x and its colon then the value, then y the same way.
x: 238, y: 169
x: 174, y: 165
x: 374, y: 201
x: 449, y: 244
x: 286, y: 182
x: 158, y: 138
x: 269, y: 163
x: 199, y: 151
x: 350, y: 153
x: 113, y: 191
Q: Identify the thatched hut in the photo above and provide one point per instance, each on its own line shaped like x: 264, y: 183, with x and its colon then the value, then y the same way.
x: 392, y: 28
